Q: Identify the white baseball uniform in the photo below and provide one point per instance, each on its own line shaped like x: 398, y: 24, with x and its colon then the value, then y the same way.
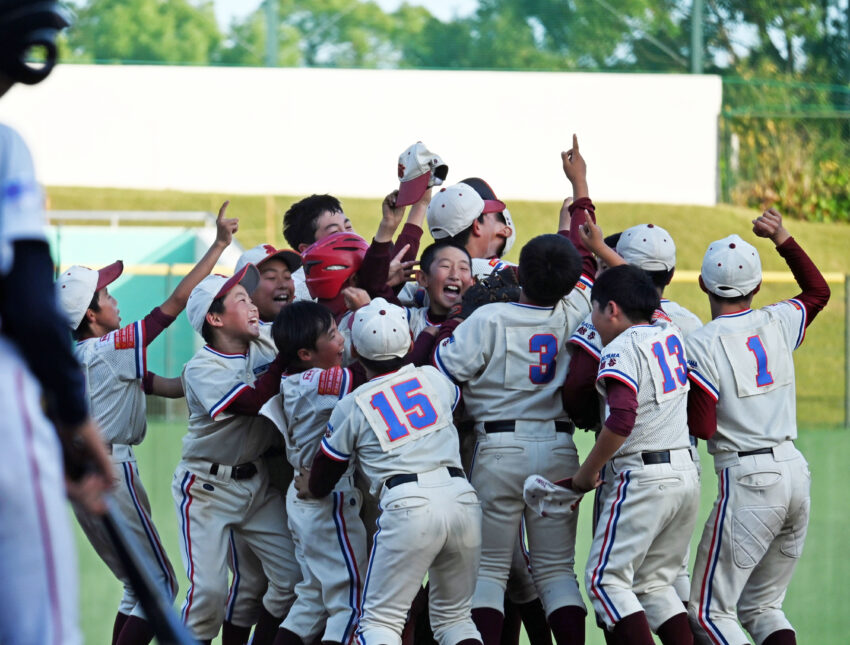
x: 114, y: 366
x: 38, y: 597
x: 650, y: 496
x: 222, y: 484
x: 755, y: 533
x: 399, y: 429
x: 329, y: 536
x: 511, y: 359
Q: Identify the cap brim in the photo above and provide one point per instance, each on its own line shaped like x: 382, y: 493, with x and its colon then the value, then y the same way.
x: 248, y: 277
x: 410, y: 192
x: 493, y: 206
x: 109, y: 274
x: 291, y: 258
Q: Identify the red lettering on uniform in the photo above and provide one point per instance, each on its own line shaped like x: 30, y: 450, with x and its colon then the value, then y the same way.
x: 400, y: 171
x: 582, y: 330
x: 581, y: 285
x: 330, y: 381
x: 591, y: 335
x: 125, y: 338
x: 612, y: 362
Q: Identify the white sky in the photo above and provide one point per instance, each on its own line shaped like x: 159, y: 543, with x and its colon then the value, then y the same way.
x: 225, y: 10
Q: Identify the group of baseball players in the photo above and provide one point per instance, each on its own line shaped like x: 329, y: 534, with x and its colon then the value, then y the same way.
x: 390, y: 460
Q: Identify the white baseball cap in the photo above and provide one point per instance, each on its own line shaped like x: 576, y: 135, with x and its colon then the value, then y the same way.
x: 648, y: 247
x: 380, y: 331
x: 418, y: 169
x: 263, y: 252
x: 76, y: 287
x: 509, y: 242
x: 731, y: 267
x: 453, y: 210
x: 216, y: 286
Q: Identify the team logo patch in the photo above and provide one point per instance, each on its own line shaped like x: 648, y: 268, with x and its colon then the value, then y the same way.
x: 125, y: 338
x: 612, y: 362
x: 581, y: 285
x: 330, y: 381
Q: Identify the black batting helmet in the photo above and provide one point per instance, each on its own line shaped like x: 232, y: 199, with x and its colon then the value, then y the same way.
x: 27, y: 25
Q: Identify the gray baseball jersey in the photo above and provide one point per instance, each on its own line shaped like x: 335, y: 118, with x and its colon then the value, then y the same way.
x: 482, y: 267
x: 683, y: 318
x: 743, y: 361
x: 214, y: 434
x: 512, y: 357
x: 417, y: 318
x: 650, y: 360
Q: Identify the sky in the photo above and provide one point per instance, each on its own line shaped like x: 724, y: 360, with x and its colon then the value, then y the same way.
x: 225, y: 10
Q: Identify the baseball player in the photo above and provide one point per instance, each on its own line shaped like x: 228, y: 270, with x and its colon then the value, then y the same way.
x: 38, y: 597
x: 329, y: 537
x: 398, y: 426
x: 276, y: 288
x: 743, y: 402
x: 114, y: 362
x: 651, y: 493
x: 221, y: 483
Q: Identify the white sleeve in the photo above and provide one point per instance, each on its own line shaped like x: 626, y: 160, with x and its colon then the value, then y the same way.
x: 618, y: 363
x: 466, y: 352
x: 587, y: 337
x: 792, y: 315
x: 341, y: 436
x: 124, y: 351
x: 702, y: 370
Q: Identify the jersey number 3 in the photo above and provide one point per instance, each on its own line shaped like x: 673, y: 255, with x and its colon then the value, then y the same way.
x: 417, y: 408
x: 546, y: 345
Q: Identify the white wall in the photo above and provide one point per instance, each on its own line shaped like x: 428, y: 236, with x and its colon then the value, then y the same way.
x: 646, y: 138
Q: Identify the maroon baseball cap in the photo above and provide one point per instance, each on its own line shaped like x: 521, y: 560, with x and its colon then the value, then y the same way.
x: 418, y: 169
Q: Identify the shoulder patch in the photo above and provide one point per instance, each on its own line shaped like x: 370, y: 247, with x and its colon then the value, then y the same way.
x: 125, y: 338
x: 330, y: 381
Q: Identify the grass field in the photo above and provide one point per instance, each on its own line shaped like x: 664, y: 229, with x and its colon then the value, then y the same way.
x: 815, y: 601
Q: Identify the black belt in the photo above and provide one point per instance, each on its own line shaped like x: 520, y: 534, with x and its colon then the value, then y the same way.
x: 760, y: 451
x: 660, y: 457
x: 242, y: 471
x: 509, y: 426
x: 406, y: 478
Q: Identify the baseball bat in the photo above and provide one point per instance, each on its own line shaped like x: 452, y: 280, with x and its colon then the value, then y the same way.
x: 167, y: 627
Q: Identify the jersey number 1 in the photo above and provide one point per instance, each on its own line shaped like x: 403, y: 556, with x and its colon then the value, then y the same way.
x: 416, y: 407
x: 763, y: 376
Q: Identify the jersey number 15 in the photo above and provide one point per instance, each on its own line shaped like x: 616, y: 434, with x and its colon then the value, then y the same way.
x: 417, y: 408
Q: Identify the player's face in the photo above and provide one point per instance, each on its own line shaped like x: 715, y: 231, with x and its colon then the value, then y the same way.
x: 240, y: 319
x: 449, y: 278
x: 331, y: 222
x: 601, y: 319
x: 108, y: 317
x: 496, y: 232
x: 329, y: 349
x: 275, y: 290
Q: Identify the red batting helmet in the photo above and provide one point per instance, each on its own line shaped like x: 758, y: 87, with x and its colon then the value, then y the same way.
x: 329, y: 262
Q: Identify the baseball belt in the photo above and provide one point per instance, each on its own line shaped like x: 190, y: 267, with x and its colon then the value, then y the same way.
x: 406, y: 478
x: 509, y: 426
x: 241, y: 471
x: 760, y: 451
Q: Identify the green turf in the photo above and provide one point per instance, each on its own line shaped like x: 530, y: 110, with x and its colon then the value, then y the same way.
x: 815, y: 601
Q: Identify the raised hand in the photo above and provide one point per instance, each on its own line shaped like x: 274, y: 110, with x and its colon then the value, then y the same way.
x: 226, y: 227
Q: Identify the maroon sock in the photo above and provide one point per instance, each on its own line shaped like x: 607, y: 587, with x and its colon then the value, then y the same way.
x: 535, y: 623
x: 286, y: 637
x: 782, y: 637
x: 567, y: 624
x: 267, y: 628
x: 120, y: 619
x: 676, y: 631
x: 136, y: 631
x: 489, y: 623
x: 234, y: 634
x: 511, y: 624
x: 634, y: 630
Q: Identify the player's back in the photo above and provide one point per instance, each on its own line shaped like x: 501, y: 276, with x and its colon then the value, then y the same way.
x: 650, y: 359
x: 512, y: 358
x: 743, y: 361
x: 399, y: 423
x: 682, y: 317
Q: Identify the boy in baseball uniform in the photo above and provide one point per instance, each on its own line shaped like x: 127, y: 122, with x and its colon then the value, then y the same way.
x: 650, y: 497
x: 222, y: 483
x: 114, y: 363
x: 743, y: 402
x: 329, y: 536
x: 398, y: 426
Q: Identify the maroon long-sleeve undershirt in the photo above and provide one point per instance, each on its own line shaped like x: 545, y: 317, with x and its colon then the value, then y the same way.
x: 702, y: 408
x: 622, y: 404
x: 372, y: 275
x: 324, y: 474
x: 249, y: 401
x: 155, y: 323
x: 588, y: 261
x: 579, y: 395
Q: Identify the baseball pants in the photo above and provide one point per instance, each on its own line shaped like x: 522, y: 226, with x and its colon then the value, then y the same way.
x: 208, y: 508
x: 431, y: 526
x: 647, y: 517
x: 750, y: 546
x: 330, y: 544
x: 38, y: 559
x: 132, y: 501
x: 501, y: 464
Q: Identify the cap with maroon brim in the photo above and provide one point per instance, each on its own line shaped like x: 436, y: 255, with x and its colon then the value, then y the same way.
x: 453, y: 210
x: 263, y: 252
x: 418, y: 170
x: 216, y: 286
x: 75, y: 289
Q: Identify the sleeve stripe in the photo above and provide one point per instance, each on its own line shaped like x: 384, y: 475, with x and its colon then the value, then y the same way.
x: 457, y: 398
x: 801, y: 334
x: 578, y: 340
x: 345, y: 386
x: 441, y: 366
x: 336, y: 455
x: 703, y: 384
x: 620, y: 376
x: 587, y: 280
x: 219, y: 407
x: 141, y: 354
